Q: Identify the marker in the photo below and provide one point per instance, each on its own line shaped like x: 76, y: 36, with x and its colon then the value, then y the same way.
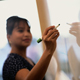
x: 73, y: 24
x: 69, y: 24
x: 40, y: 39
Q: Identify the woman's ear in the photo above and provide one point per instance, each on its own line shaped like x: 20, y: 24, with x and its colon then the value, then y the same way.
x: 9, y: 41
x: 8, y: 37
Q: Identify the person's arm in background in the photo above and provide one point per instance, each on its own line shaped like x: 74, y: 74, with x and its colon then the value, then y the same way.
x: 39, y: 70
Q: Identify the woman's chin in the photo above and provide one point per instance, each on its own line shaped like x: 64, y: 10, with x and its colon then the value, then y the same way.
x: 26, y: 45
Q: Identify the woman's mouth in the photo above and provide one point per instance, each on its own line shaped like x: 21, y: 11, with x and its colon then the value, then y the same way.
x: 26, y: 40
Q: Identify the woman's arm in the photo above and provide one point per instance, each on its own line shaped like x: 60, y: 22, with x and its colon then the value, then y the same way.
x: 39, y: 70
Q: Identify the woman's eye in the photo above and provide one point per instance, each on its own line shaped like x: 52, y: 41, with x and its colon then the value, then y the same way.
x: 20, y: 30
x: 28, y: 30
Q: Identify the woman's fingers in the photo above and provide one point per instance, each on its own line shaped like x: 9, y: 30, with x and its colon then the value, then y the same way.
x: 51, y: 35
x: 75, y: 29
x: 73, y: 33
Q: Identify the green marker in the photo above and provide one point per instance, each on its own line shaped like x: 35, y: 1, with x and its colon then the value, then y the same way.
x: 39, y: 40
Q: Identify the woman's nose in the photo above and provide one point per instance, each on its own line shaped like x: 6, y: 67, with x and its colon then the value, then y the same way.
x: 26, y: 33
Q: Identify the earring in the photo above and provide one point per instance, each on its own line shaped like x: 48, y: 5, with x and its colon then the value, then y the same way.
x: 10, y: 42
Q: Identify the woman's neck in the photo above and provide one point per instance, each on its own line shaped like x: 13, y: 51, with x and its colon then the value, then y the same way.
x: 20, y: 51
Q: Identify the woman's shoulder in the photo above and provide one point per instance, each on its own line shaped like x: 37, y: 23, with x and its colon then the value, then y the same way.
x: 16, y: 61
x: 12, y: 58
x: 13, y: 64
x: 12, y: 61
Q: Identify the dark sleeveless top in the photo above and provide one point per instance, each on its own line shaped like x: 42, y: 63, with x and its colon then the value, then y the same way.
x: 13, y: 64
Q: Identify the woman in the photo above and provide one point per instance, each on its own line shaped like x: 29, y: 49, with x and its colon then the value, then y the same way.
x: 18, y: 66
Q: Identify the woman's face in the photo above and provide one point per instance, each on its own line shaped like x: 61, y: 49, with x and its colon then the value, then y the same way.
x: 21, y: 35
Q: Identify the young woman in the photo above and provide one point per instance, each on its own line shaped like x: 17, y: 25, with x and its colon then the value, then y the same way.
x: 18, y: 66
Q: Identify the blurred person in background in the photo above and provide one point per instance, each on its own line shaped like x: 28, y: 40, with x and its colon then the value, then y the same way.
x: 72, y: 54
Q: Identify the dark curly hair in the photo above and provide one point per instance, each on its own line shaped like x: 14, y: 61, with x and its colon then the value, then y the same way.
x: 11, y: 21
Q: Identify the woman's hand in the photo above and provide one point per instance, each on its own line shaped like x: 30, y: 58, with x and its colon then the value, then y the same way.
x: 49, y: 37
